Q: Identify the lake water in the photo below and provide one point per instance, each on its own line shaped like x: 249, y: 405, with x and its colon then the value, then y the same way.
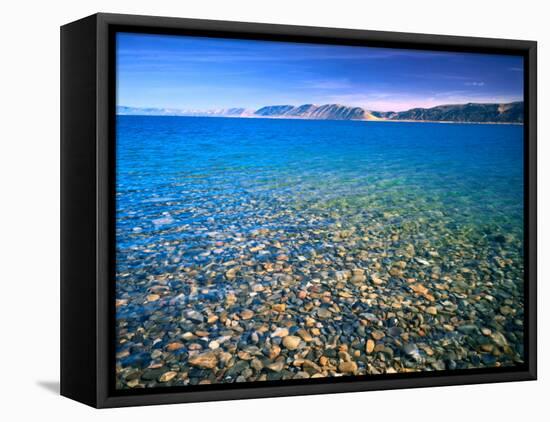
x: 414, y: 230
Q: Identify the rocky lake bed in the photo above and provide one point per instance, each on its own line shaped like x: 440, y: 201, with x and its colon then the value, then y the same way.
x: 293, y: 274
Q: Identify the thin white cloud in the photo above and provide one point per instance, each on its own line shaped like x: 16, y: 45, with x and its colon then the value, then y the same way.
x: 436, y: 76
x: 474, y: 83
x: 307, y: 53
x: 328, y: 84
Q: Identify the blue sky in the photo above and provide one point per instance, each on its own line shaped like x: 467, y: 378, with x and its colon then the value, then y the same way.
x: 200, y: 73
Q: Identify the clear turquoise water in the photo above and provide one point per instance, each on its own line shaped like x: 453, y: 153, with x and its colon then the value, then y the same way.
x: 180, y: 175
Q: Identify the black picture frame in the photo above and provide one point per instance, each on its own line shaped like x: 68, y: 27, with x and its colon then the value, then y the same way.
x: 87, y: 208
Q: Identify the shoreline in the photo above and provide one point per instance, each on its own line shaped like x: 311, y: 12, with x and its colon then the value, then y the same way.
x: 329, y: 120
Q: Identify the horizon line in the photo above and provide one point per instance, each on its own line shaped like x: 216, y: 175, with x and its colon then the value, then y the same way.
x: 312, y: 104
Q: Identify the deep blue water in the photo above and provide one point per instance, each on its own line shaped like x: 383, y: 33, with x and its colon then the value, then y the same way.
x: 179, y: 175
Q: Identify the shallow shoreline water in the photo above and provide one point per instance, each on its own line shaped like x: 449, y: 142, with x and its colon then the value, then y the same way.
x: 251, y: 250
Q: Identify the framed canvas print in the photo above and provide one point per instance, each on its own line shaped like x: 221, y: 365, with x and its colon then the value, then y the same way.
x: 253, y: 210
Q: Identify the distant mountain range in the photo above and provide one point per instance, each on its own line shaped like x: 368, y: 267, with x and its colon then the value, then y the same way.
x: 471, y: 112
x: 151, y: 111
x: 465, y: 113
x: 311, y: 111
